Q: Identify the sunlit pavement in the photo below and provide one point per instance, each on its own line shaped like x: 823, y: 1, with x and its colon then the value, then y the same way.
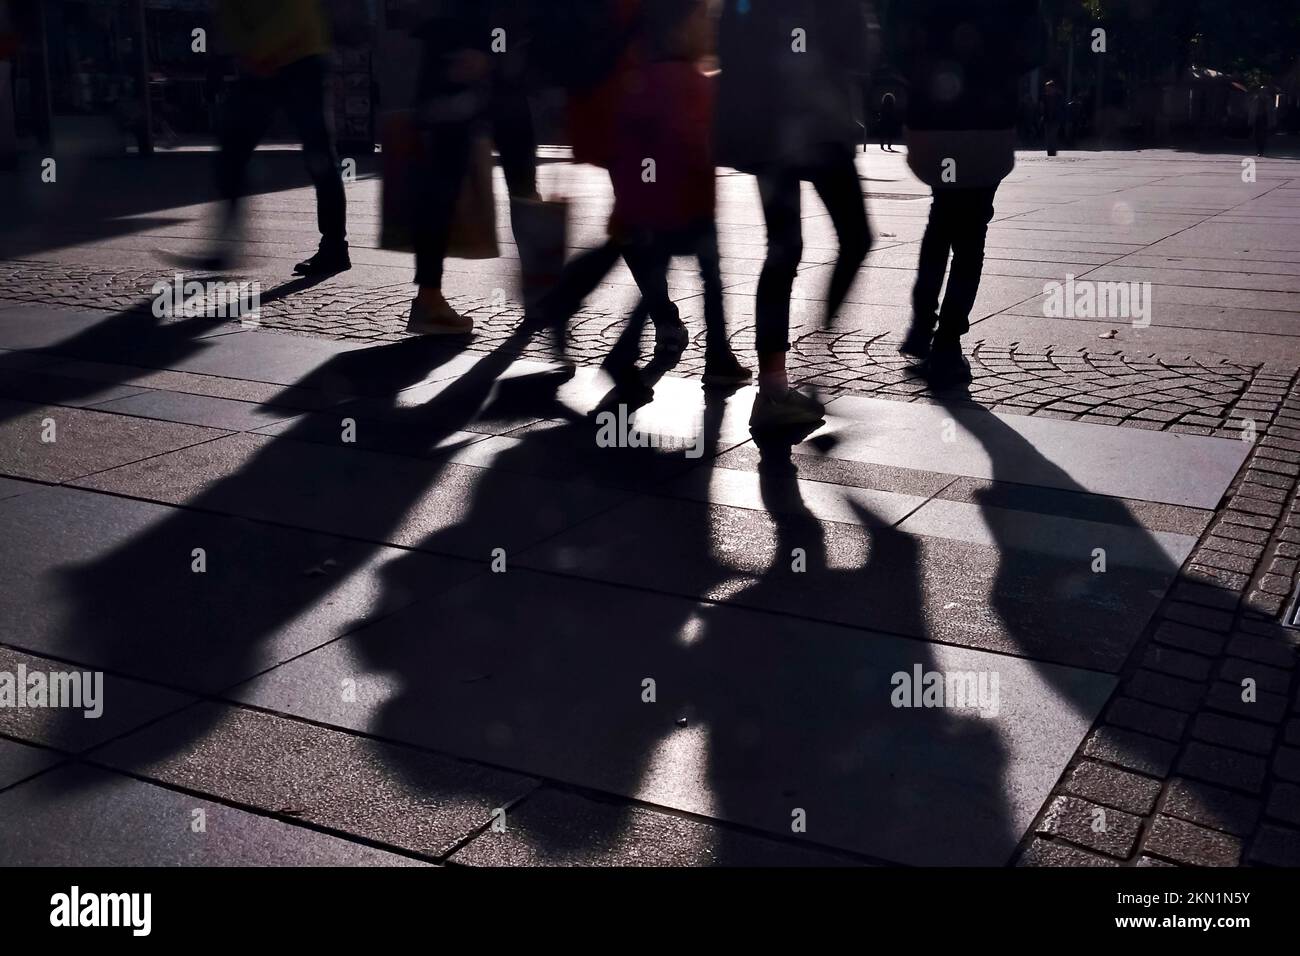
x: 364, y: 598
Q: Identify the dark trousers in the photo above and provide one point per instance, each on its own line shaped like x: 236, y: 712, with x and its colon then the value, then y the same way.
x: 836, y: 182
x: 299, y: 89
x: 959, y: 221
x: 448, y: 147
x: 649, y: 257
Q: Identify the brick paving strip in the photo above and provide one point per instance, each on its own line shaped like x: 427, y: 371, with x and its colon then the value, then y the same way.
x: 1183, y: 768
x: 1179, y: 769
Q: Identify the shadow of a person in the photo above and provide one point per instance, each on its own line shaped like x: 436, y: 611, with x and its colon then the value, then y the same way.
x: 137, y: 339
x: 266, y: 593
x: 1090, y: 562
x: 802, y: 735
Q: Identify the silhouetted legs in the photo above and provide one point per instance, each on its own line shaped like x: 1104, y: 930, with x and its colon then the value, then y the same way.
x: 300, y: 89
x: 959, y: 220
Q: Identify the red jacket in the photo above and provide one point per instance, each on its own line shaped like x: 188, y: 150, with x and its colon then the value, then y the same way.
x: 667, y: 118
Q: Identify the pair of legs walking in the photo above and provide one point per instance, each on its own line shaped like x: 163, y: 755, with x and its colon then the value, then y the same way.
x: 449, y: 147
x: 299, y: 89
x: 836, y: 180
x: 648, y: 257
x: 958, y: 227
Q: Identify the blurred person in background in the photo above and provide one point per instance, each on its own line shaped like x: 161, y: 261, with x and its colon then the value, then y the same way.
x: 282, y: 49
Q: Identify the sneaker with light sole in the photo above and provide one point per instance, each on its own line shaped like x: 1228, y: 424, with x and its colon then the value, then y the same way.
x: 792, y: 408
x: 443, y: 320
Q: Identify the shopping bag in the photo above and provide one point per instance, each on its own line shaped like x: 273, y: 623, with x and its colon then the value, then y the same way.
x: 473, y: 233
x: 541, y: 229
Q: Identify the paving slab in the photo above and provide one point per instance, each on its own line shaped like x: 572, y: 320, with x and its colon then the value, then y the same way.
x: 1175, y: 469
x: 19, y: 761
x: 754, y: 717
x: 124, y: 705
x: 83, y: 441
x: 31, y: 325
x: 43, y: 387
x: 9, y: 488
x: 867, y: 574
x: 562, y: 828
x: 397, y: 796
x: 80, y: 816
x: 204, y: 410
x: 111, y: 582
x: 387, y: 499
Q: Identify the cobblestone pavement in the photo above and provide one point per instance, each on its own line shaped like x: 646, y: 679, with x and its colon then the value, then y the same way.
x: 1095, y: 385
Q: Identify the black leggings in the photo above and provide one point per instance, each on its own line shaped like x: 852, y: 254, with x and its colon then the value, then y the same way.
x: 836, y: 182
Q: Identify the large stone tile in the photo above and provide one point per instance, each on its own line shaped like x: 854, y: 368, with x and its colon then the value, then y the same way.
x: 754, y: 716
x: 561, y: 828
x: 435, y: 505
x: 397, y: 796
x: 43, y: 387
x: 1100, y: 459
x: 110, y: 582
x: 79, y: 816
x: 85, y: 441
x: 123, y: 705
x: 1126, y: 544
x: 235, y: 389
x: 9, y: 488
x: 30, y: 325
x: 18, y: 762
x: 196, y: 410
x: 867, y: 574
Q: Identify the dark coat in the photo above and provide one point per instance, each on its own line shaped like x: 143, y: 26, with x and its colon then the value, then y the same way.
x: 963, y: 60
x: 779, y: 106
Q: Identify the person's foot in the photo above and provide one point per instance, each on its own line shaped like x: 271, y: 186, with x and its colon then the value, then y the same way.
x: 724, y: 369
x: 629, y: 384
x: 330, y: 259
x: 947, y: 365
x: 433, y: 316
x: 784, y: 410
x: 918, y: 342
x: 671, y: 338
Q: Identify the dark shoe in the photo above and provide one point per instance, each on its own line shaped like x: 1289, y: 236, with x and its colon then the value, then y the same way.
x: 918, y: 342
x: 792, y: 408
x: 947, y: 365
x: 724, y: 369
x: 330, y: 259
x: 629, y: 384
x: 671, y: 338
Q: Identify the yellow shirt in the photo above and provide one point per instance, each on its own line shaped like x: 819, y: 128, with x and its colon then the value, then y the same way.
x: 270, y: 34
